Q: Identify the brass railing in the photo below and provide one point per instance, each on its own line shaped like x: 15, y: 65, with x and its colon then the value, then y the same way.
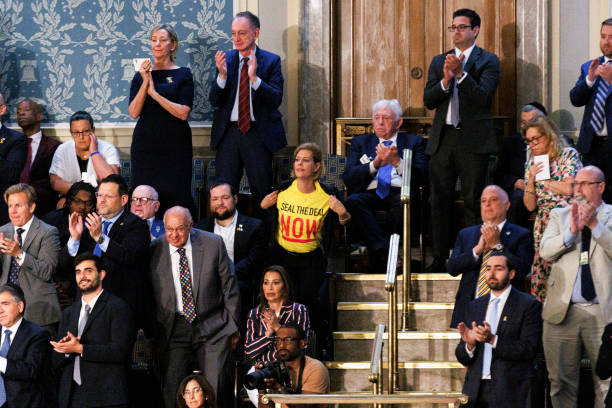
x: 405, y: 197
x: 453, y: 399
x: 391, y: 287
x: 376, y: 362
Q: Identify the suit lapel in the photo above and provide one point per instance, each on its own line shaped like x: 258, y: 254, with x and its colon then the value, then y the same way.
x: 371, y: 147
x: 97, y: 309
x: 118, y: 226
x: 73, y: 326
x: 18, y: 339
x: 507, y: 314
x: 480, y: 311
x: 238, y: 234
x: 474, y: 56
x: 32, y: 233
x: 505, y: 235
x: 197, y: 253
x: 603, y: 216
x: 41, y: 151
x: 232, y: 67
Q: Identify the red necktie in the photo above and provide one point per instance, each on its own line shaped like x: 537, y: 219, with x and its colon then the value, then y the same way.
x: 25, y: 173
x: 244, y: 98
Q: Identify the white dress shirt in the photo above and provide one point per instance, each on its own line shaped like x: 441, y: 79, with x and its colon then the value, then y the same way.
x: 396, y: 172
x: 221, y: 83
x: 175, y: 259
x: 73, y: 246
x: 227, y: 233
x: 500, y: 308
x: 34, y: 144
x: 466, y: 53
x: 26, y: 228
x: 13, y: 330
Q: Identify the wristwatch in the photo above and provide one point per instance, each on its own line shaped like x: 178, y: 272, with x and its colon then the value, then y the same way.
x: 100, y: 240
x: 498, y: 247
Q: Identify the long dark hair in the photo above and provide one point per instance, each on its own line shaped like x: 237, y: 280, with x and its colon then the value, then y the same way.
x: 284, y: 277
x: 209, y: 393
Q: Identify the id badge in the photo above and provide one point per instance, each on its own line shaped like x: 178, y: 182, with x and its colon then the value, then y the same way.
x: 584, y: 258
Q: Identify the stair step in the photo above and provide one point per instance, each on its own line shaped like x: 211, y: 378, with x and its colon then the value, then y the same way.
x: 413, y: 345
x: 425, y: 287
x: 427, y: 316
x: 414, y: 393
x: 430, y: 376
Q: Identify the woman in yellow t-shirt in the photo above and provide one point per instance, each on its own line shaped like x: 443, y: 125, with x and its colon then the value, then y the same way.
x: 302, y: 226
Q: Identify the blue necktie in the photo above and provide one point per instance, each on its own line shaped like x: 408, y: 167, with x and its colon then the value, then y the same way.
x: 97, y: 249
x: 384, y: 176
x: 3, y: 353
x: 15, y: 268
x: 599, y: 108
x: 488, y: 351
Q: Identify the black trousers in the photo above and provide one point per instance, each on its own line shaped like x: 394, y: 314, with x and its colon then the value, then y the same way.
x: 237, y: 150
x: 452, y: 160
x: 485, y: 395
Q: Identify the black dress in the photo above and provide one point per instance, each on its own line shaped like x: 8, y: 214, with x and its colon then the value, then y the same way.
x: 161, y: 151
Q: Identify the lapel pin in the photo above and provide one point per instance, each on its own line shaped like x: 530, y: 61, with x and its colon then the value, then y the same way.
x: 169, y: 80
x: 121, y: 224
x: 507, y: 232
x: 239, y: 228
x: 505, y: 318
x: 2, y: 140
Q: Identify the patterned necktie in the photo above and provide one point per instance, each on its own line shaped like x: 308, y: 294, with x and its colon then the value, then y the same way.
x: 586, y: 279
x: 3, y: 353
x: 599, y: 108
x: 15, y: 268
x: 186, y: 289
x: 488, y: 351
x: 384, y: 176
x: 97, y: 249
x: 244, y: 98
x: 482, y: 288
x: 76, y: 373
x: 25, y: 173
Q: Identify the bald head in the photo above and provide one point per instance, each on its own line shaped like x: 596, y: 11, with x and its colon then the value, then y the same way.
x: 589, y: 186
x: 595, y: 173
x: 494, y: 204
x: 177, y: 222
x: 145, y: 202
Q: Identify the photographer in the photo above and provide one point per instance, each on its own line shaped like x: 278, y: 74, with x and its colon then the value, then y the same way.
x: 306, y: 375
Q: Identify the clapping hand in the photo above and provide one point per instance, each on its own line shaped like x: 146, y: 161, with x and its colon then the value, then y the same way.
x: 10, y: 246
x: 468, y: 335
x: 75, y: 226
x: 221, y: 64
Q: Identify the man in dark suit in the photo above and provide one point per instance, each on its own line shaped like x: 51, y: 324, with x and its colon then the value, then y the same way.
x: 374, y: 175
x: 511, y: 168
x: 24, y: 353
x: 29, y: 251
x: 246, y: 93
x: 592, y: 90
x: 145, y: 204
x: 500, y: 337
x: 603, y: 367
x: 474, y: 245
x: 96, y: 337
x: 197, y: 303
x: 122, y: 240
x: 40, y: 154
x: 244, y: 241
x: 13, y: 151
x: 460, y: 87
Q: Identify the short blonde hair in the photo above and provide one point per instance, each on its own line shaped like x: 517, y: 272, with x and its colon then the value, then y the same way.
x: 21, y: 188
x: 316, y: 156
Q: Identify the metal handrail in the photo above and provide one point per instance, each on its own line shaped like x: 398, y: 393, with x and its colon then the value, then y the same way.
x: 376, y: 360
x: 390, y: 286
x: 405, y: 198
x: 453, y: 399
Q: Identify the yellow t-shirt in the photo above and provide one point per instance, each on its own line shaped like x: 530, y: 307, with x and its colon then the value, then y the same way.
x: 300, y: 218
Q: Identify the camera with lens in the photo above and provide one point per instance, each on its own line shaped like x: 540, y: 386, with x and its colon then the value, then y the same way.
x: 274, y: 370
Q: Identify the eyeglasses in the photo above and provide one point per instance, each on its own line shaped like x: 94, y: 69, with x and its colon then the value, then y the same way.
x: 461, y: 27
x: 534, y: 140
x: 87, y: 203
x: 106, y: 196
x: 177, y: 229
x: 142, y: 200
x: 80, y: 134
x: 286, y: 340
x: 584, y: 184
x: 194, y: 391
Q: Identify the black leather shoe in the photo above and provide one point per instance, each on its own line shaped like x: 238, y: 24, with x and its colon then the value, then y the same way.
x: 438, y: 265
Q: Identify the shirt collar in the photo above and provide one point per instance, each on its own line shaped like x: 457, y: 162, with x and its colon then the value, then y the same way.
x: 92, y: 302
x: 25, y: 226
x: 504, y: 296
x: 241, y: 57
x: 467, y: 53
x: 392, y: 139
x: 36, y: 137
x: 112, y: 220
x: 187, y: 246
x: 231, y: 224
x: 13, y: 329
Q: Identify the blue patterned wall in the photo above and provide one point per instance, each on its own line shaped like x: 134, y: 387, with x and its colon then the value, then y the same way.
x: 77, y: 54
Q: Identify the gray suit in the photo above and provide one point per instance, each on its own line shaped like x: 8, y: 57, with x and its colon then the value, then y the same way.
x: 570, y: 326
x: 41, y: 247
x: 216, y: 297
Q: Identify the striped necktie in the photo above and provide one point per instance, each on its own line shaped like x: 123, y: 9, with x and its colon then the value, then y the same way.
x: 599, y: 109
x: 483, y: 288
x: 244, y: 98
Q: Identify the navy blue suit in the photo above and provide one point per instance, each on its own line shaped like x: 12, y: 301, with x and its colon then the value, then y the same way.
x: 519, y: 332
x: 267, y: 135
x: 462, y: 152
x: 27, y: 359
x: 363, y: 203
x: 518, y: 247
x: 594, y: 150
x: 13, y: 152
